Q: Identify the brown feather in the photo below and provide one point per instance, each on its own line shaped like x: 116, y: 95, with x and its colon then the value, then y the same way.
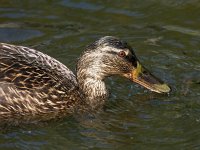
x: 34, y: 85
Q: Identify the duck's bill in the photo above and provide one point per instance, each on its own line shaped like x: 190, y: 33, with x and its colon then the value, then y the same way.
x: 143, y: 77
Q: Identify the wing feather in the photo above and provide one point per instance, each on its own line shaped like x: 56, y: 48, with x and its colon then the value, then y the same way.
x: 33, y: 82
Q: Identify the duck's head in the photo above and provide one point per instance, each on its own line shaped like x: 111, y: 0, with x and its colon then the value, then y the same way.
x: 111, y: 56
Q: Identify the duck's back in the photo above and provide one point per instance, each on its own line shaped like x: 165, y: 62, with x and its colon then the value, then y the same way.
x: 34, y: 86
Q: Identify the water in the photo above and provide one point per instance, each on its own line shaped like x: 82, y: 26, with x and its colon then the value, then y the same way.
x: 166, y: 37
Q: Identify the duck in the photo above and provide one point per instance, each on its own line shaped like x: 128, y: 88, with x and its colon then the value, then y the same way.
x: 35, y: 87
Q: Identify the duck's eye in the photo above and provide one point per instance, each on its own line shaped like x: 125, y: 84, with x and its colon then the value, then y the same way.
x: 122, y: 54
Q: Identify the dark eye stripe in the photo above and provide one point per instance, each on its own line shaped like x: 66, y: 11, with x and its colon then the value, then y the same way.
x: 111, y: 52
x: 132, y: 59
x: 129, y: 58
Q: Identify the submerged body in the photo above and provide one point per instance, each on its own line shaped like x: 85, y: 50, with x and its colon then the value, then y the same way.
x: 36, y: 87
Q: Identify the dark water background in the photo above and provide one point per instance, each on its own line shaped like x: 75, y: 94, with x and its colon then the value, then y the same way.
x: 166, y: 37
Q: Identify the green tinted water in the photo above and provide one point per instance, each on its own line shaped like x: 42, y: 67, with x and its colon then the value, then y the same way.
x: 166, y: 37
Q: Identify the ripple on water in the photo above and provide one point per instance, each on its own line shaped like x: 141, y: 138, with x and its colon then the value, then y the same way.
x: 81, y: 5
x: 15, y: 35
x: 133, y: 117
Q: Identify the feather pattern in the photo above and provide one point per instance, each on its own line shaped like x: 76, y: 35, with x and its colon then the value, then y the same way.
x: 33, y: 83
x: 36, y: 87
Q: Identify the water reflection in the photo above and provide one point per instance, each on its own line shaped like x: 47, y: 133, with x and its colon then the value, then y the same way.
x: 165, y: 37
x: 12, y: 34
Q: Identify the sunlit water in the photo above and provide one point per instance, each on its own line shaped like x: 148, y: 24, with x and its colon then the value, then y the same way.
x: 165, y: 35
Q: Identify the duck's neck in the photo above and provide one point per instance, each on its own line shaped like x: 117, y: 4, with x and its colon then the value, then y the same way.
x: 93, y: 88
x: 90, y: 76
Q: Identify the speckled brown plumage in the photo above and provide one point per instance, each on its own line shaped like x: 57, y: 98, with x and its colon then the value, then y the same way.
x: 36, y: 87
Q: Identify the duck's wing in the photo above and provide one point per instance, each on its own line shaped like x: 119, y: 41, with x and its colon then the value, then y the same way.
x: 33, y: 81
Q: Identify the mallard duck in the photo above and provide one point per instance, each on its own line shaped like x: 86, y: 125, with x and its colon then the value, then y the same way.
x: 36, y: 87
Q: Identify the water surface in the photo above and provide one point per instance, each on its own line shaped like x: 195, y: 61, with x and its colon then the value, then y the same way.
x: 165, y: 35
